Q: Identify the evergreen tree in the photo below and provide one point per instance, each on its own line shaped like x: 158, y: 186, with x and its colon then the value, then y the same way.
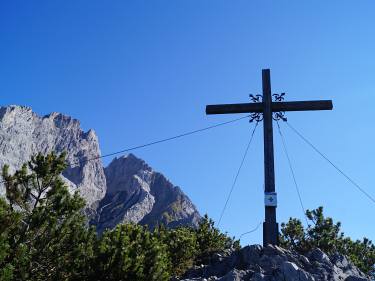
x: 323, y: 233
x: 48, y: 239
x: 182, y: 247
x: 210, y: 240
x: 44, y: 235
x: 130, y: 252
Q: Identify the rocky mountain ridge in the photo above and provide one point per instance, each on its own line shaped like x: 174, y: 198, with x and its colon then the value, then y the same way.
x: 24, y: 133
x: 136, y: 193
x: 128, y: 190
x: 272, y: 263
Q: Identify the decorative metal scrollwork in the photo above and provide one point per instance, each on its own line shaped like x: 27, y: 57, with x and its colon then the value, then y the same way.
x: 256, y: 98
x: 278, y: 97
x: 281, y: 114
x: 256, y: 116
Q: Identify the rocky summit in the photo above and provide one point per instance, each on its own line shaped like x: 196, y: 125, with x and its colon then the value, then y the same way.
x: 136, y: 193
x: 128, y: 190
x: 272, y: 263
x: 23, y: 134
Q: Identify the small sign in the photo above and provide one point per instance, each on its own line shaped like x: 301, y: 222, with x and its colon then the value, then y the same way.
x: 270, y: 199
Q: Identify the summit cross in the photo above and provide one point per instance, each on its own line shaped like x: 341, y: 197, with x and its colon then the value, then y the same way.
x: 266, y: 108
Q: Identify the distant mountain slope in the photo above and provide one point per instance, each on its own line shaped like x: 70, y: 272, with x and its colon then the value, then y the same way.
x: 136, y: 193
x: 24, y: 133
x: 128, y: 190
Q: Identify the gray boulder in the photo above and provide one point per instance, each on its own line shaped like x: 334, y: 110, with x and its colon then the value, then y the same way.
x: 235, y: 275
x: 251, y: 255
x: 355, y: 278
x: 289, y: 271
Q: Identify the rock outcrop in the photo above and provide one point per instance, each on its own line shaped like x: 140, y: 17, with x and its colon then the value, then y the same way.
x: 136, y: 193
x: 272, y: 263
x: 128, y: 190
x: 24, y: 133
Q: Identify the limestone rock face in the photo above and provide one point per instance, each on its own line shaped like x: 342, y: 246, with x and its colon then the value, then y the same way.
x: 272, y: 263
x: 24, y: 133
x: 128, y: 190
x: 136, y: 193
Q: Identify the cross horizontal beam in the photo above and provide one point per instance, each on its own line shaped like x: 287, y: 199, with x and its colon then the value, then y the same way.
x: 276, y: 106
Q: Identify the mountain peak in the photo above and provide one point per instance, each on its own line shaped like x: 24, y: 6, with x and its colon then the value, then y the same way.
x: 62, y: 120
x: 130, y: 159
x: 136, y: 193
x: 128, y: 190
x: 24, y: 133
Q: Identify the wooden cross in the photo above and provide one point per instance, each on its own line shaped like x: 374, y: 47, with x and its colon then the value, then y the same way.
x: 267, y: 107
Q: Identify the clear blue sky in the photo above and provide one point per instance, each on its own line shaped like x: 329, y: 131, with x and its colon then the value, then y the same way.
x: 136, y: 71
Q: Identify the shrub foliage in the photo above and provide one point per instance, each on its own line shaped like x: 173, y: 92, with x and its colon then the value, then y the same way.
x: 44, y: 235
x: 323, y: 233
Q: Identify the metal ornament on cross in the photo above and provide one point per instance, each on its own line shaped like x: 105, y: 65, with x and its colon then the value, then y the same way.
x: 262, y: 108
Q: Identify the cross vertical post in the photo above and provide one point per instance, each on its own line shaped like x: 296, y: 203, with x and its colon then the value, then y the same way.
x: 270, y: 226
